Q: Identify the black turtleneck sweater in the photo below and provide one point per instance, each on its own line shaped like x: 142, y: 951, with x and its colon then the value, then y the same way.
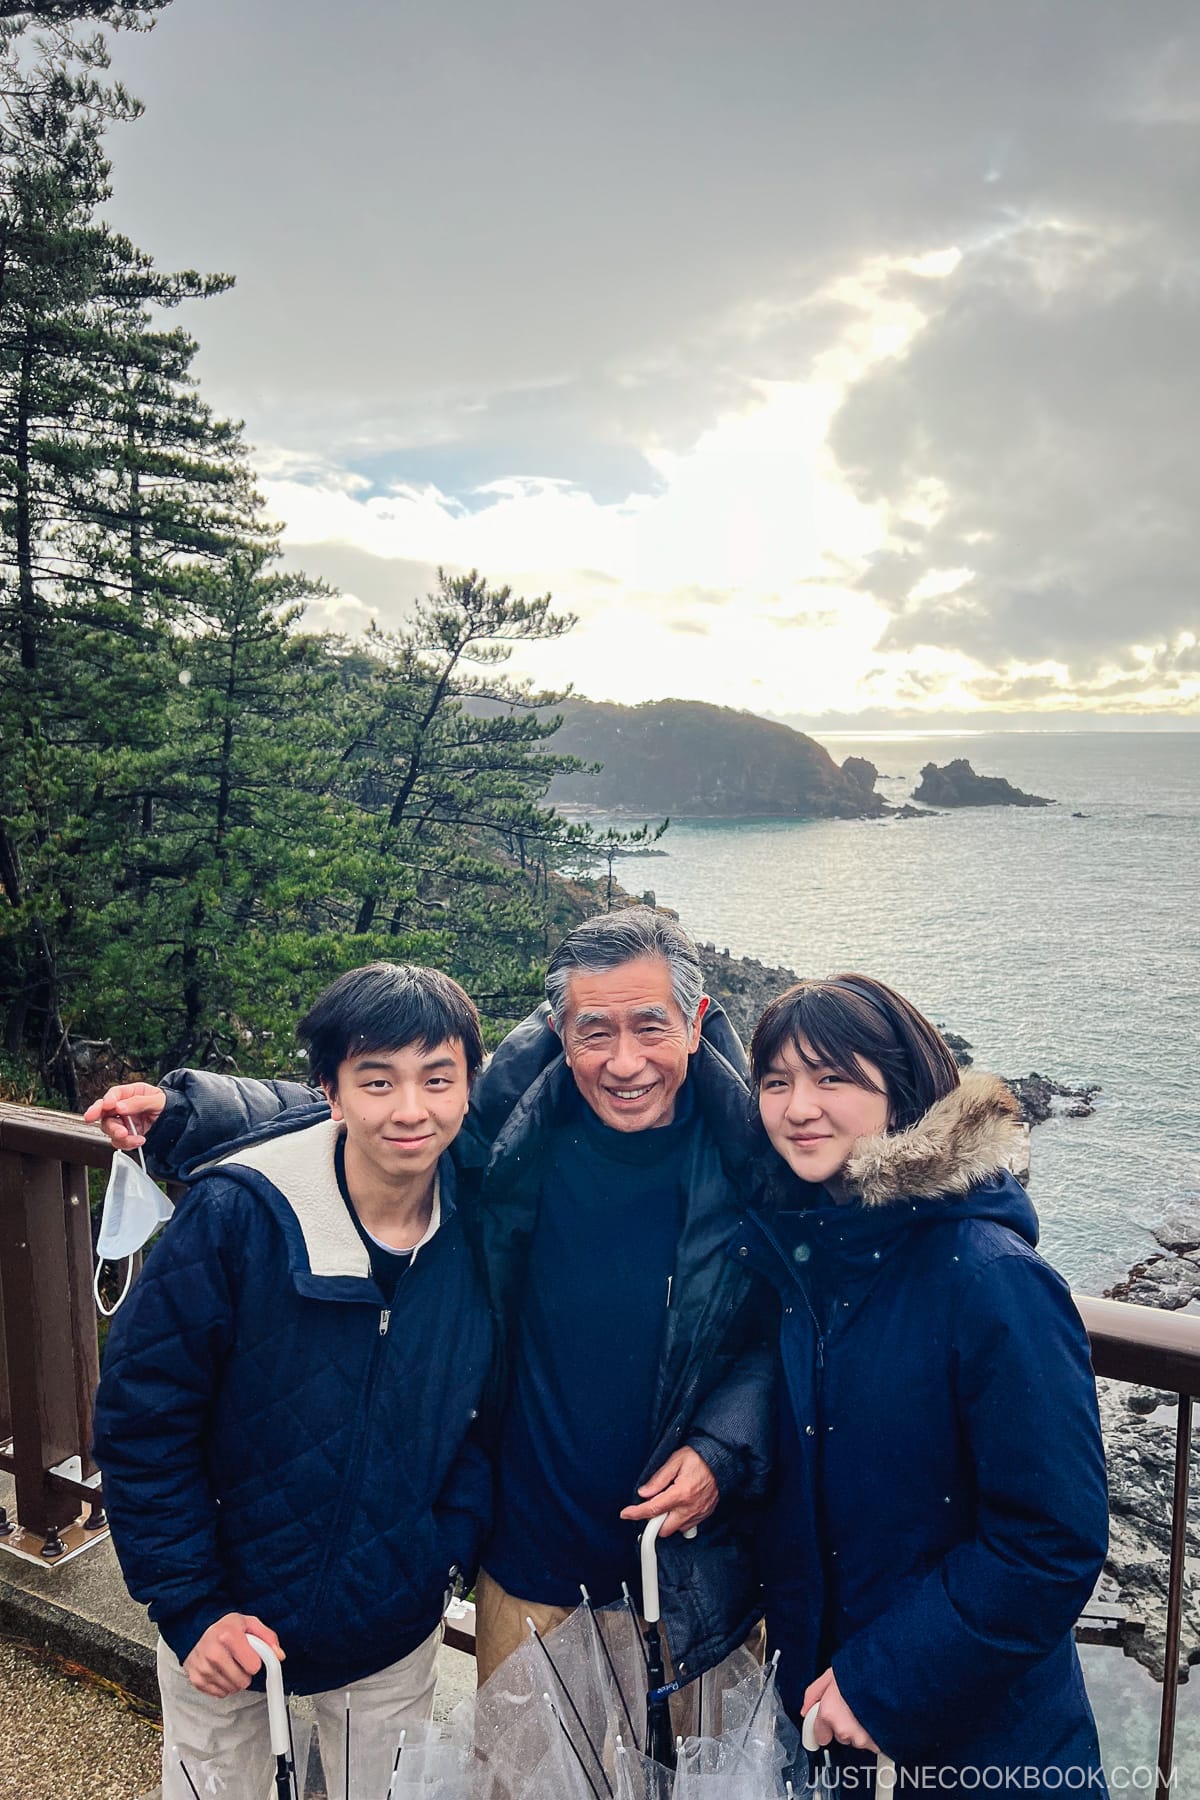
x: 579, y: 1423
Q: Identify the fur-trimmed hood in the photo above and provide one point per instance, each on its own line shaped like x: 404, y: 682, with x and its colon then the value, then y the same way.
x: 972, y: 1134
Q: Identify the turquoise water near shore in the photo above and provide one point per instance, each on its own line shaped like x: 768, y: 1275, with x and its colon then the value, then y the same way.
x: 1066, y: 945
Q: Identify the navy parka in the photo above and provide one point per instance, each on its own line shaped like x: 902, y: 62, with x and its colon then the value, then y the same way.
x: 277, y: 1438
x: 942, y: 1514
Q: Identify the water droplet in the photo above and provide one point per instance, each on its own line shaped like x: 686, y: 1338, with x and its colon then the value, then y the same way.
x: 875, y: 1256
x: 801, y: 1253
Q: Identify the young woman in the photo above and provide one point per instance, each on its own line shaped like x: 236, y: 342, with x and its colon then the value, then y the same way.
x: 941, y: 1513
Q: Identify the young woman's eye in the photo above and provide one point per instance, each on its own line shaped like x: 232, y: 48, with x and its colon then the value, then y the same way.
x: 831, y: 1080
x: 773, y: 1084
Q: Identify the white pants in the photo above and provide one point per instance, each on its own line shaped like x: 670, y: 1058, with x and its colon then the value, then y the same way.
x: 226, y: 1741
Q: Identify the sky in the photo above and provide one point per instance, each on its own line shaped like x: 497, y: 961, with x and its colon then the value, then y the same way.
x: 836, y: 361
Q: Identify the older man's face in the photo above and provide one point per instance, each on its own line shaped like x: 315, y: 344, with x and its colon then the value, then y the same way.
x: 628, y: 1044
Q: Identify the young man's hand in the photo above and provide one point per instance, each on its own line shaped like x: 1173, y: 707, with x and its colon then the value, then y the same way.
x: 126, y: 1113
x: 835, y: 1720
x: 221, y: 1662
x: 684, y: 1488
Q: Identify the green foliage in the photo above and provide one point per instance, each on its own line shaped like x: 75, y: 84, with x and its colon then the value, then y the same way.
x: 207, y: 812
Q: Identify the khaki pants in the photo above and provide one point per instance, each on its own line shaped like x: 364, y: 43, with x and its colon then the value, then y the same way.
x: 232, y: 1733
x: 500, y: 1625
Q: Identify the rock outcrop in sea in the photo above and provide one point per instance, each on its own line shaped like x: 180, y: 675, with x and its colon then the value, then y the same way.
x: 957, y: 784
x: 686, y: 759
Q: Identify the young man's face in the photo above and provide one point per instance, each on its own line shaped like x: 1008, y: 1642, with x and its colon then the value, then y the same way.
x: 628, y: 1043
x: 402, y: 1108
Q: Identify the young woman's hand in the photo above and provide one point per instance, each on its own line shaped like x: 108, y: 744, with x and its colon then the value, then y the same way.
x: 835, y: 1720
x: 126, y: 1113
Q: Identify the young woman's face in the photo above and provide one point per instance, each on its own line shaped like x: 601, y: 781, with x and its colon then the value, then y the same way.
x: 814, y: 1116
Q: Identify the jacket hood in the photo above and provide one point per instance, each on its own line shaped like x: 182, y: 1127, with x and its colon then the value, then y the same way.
x: 970, y: 1135
x: 952, y: 1165
x: 295, y: 1169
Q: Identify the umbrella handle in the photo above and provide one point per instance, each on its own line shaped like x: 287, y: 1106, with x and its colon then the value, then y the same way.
x: 650, y: 1606
x: 884, y: 1766
x: 277, y: 1718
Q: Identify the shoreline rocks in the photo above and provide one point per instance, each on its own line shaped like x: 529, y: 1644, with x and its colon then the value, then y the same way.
x: 957, y: 784
x: 1139, y: 1434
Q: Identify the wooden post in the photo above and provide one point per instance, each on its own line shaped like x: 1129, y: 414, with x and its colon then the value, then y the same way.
x: 49, y: 1360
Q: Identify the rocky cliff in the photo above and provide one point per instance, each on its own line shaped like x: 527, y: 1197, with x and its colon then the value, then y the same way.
x: 686, y: 759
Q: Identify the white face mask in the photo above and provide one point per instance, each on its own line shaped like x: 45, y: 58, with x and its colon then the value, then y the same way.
x: 134, y: 1208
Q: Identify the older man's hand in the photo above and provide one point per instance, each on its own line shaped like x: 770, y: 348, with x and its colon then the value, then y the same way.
x: 684, y: 1488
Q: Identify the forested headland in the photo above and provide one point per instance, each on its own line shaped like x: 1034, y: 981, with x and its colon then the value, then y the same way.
x: 206, y: 809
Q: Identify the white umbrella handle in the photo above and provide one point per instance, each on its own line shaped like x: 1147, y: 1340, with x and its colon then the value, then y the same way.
x: 884, y: 1766
x: 277, y: 1718
x: 650, y: 1607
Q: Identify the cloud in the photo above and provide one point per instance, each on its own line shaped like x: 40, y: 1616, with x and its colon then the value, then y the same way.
x: 682, y: 310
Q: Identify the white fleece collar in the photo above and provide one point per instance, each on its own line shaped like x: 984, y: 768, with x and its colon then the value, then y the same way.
x: 301, y: 1166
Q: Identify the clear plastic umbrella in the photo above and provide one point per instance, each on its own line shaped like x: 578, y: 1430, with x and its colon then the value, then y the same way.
x: 565, y: 1717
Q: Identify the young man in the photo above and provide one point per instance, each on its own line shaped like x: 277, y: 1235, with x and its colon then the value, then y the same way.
x: 285, y: 1416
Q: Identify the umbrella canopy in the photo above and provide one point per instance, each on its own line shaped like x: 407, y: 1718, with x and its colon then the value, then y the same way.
x: 564, y: 1718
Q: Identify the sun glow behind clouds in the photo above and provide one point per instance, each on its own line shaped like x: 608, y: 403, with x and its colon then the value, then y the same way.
x: 734, y: 582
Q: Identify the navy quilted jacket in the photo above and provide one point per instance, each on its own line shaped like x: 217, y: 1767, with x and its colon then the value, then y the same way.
x: 274, y: 1439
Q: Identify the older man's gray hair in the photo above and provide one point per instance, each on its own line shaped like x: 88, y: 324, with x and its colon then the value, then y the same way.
x: 611, y: 939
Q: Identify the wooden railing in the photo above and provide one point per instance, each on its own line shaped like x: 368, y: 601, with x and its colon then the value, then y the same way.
x: 49, y: 1363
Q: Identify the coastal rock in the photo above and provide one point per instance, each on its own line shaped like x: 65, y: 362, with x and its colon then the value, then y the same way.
x: 1140, y: 1449
x: 687, y: 759
x: 1180, y: 1231
x: 913, y: 812
x: 1169, y: 1282
x: 960, y: 1047
x: 861, y: 773
x: 742, y: 985
x: 1040, y: 1098
x: 957, y: 784
x: 1139, y: 1436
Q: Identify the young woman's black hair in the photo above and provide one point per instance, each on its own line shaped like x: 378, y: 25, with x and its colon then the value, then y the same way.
x: 848, y: 1016
x: 387, y: 1006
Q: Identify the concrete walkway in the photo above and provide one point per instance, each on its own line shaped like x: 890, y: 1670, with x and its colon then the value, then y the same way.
x: 82, y: 1613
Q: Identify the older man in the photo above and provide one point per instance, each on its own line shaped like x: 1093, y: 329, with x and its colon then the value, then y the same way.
x: 603, y: 1164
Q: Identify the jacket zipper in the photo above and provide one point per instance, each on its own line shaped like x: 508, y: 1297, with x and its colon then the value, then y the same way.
x: 350, y: 1486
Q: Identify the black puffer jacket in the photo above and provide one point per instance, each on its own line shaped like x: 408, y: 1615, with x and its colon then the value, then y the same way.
x: 715, y: 1378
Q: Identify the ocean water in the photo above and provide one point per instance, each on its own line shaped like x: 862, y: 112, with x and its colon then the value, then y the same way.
x: 1070, y: 946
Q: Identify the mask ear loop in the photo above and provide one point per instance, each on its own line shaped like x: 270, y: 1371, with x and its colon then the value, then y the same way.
x: 106, y: 1312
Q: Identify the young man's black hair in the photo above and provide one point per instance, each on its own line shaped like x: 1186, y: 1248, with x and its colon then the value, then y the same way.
x: 387, y: 1006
